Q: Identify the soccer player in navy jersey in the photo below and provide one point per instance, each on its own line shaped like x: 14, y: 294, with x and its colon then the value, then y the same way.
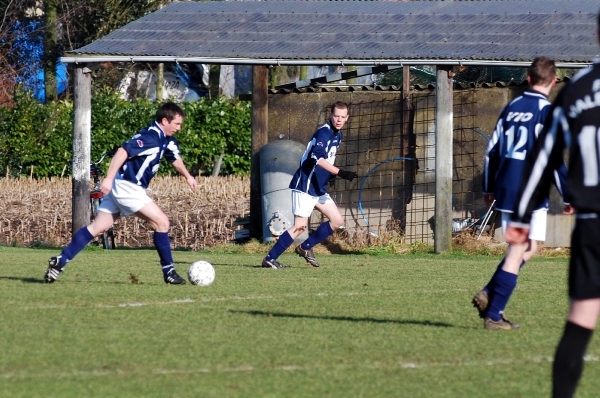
x: 309, y: 190
x: 514, y: 136
x: 574, y: 125
x: 124, y: 189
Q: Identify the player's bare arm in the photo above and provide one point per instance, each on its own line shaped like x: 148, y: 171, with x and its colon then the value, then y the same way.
x: 180, y: 167
x: 115, y: 164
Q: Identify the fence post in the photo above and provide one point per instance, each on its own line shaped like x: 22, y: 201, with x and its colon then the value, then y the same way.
x: 82, y: 126
x: 443, y: 160
x: 260, y: 122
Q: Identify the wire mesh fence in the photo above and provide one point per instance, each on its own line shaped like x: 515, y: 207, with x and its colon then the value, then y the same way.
x: 391, y: 145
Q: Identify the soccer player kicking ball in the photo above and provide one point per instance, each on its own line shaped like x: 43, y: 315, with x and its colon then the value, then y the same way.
x: 515, y: 135
x: 124, y: 189
x: 574, y: 124
x: 309, y: 190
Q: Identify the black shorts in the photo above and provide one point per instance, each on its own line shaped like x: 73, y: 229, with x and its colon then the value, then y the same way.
x: 584, y: 268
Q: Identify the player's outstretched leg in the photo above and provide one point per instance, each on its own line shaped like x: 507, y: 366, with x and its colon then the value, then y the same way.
x: 270, y: 261
x: 308, y: 255
x: 53, y: 270
x: 500, y: 294
x: 172, y: 278
x: 481, y: 299
x: 163, y: 247
x: 323, y: 232
x: 56, y: 264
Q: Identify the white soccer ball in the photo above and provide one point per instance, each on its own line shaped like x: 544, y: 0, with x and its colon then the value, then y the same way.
x: 201, y: 273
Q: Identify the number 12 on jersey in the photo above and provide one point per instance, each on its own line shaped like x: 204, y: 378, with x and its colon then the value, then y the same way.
x: 516, y: 151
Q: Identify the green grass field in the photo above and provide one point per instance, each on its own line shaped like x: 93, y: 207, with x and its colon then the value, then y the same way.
x: 360, y: 326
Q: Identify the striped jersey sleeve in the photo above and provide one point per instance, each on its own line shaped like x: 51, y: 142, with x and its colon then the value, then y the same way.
x: 573, y: 124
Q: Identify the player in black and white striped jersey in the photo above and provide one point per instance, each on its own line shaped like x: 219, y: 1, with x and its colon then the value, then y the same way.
x: 574, y: 124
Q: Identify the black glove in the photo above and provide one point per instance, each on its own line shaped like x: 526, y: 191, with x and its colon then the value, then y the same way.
x: 347, y: 175
x: 332, y: 180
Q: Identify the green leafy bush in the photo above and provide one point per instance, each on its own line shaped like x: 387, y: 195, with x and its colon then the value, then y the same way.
x: 35, y: 135
x: 213, y: 127
x: 40, y: 136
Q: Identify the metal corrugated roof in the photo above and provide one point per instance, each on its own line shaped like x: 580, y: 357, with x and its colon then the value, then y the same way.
x: 355, y: 33
x: 367, y: 87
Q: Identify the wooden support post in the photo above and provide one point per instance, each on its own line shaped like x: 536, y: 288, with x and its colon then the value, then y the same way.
x: 260, y: 123
x: 82, y: 127
x: 443, y: 160
x: 405, y: 110
x: 160, y: 81
x: 351, y: 80
x: 303, y: 72
x: 406, y: 81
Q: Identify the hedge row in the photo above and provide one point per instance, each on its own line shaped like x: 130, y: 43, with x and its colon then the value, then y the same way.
x: 37, y: 138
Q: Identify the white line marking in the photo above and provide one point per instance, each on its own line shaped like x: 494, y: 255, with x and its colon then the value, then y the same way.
x: 289, y: 368
x: 230, y: 298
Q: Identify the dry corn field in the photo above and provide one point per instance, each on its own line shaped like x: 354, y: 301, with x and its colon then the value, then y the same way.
x: 38, y: 212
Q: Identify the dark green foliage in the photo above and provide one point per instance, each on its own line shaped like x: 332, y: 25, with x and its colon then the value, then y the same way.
x: 115, y: 120
x: 32, y: 134
x: 425, y: 75
x: 215, y: 126
x: 35, y: 135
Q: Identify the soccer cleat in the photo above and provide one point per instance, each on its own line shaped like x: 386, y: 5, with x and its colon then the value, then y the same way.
x: 53, y: 270
x: 481, y: 301
x: 308, y: 255
x: 173, y: 279
x: 272, y: 264
x: 502, y: 324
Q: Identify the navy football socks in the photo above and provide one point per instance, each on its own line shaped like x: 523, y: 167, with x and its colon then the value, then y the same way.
x: 504, y: 284
x: 284, y: 241
x: 80, y: 240
x: 163, y: 247
x: 488, y: 288
x: 323, y: 232
x: 490, y: 284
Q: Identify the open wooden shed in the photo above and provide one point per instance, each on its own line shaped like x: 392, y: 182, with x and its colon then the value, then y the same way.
x: 358, y: 33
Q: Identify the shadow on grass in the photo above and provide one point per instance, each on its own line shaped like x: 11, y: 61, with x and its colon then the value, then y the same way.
x: 24, y: 280
x: 345, y: 318
x: 336, y: 248
x: 253, y: 265
x: 185, y: 264
x: 41, y: 281
x: 91, y: 247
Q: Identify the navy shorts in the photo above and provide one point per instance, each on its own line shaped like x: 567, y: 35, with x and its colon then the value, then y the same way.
x: 584, y: 267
